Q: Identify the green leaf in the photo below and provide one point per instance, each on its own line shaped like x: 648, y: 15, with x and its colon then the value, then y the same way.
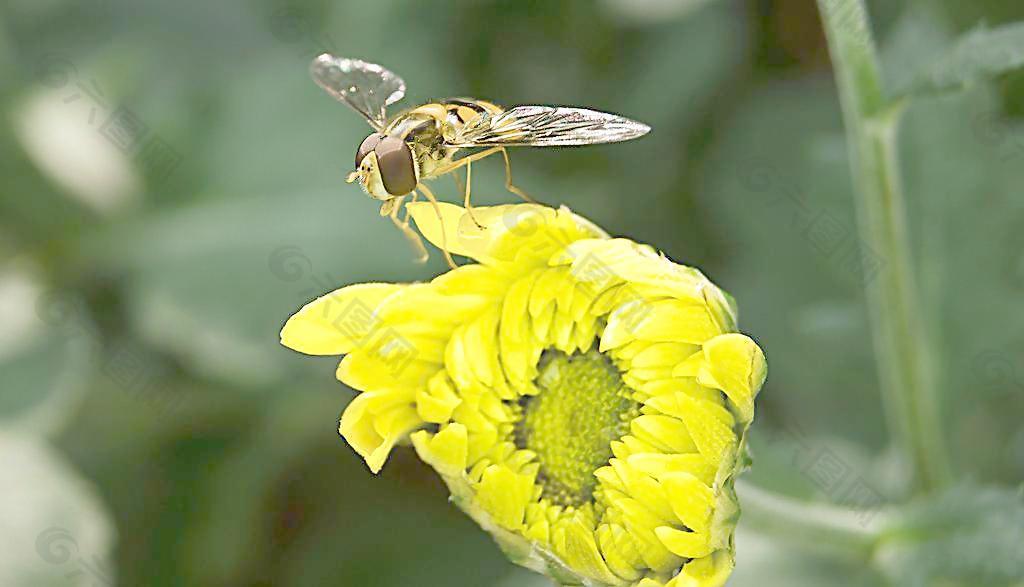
x: 774, y: 561
x: 214, y: 290
x: 521, y: 577
x: 970, y: 535
x: 789, y: 210
x: 978, y: 55
x: 48, y: 352
x: 296, y: 495
x: 961, y: 156
x: 911, y: 46
x: 784, y: 217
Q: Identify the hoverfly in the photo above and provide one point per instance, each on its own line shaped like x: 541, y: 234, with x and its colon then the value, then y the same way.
x: 419, y: 144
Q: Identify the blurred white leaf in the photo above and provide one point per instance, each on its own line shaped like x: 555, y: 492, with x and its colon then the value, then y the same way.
x: 18, y: 295
x: 978, y: 55
x: 772, y: 561
x: 652, y: 11
x: 60, y: 132
x: 54, y: 530
x: 970, y: 535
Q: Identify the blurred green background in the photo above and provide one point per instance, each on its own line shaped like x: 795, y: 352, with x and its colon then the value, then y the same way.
x: 171, y: 189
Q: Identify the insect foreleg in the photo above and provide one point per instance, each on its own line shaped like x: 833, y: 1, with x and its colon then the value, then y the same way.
x: 440, y: 219
x: 414, y: 239
x: 408, y: 215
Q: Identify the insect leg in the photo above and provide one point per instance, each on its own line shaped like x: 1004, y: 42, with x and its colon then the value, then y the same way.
x: 444, y: 233
x: 469, y: 207
x: 414, y: 239
x: 508, y: 179
x: 389, y: 206
x: 408, y: 215
x: 466, y: 161
x: 459, y: 188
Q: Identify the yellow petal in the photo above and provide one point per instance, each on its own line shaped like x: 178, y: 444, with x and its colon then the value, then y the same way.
x: 514, y: 308
x: 659, y: 321
x: 643, y: 488
x: 374, y: 435
x: 338, y: 322
x: 620, y: 551
x: 690, y: 367
x: 709, y: 425
x: 736, y: 365
x: 423, y: 309
x: 539, y: 531
x: 473, y: 279
x: 684, y: 544
x: 641, y: 524
x: 660, y: 465
x: 663, y: 354
x: 443, y: 227
x: 666, y: 432
x: 504, y: 494
x: 366, y: 372
x: 526, y: 234
x: 687, y: 385
x: 447, y: 451
x: 692, y: 501
x: 529, y: 235
x: 576, y: 546
x: 639, y: 265
x: 481, y: 346
x: 709, y: 571
x: 438, y: 400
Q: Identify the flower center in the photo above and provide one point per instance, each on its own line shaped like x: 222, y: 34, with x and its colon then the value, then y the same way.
x: 583, y: 405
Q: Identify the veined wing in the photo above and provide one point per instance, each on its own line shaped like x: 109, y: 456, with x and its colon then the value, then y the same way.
x: 547, y: 126
x: 365, y: 87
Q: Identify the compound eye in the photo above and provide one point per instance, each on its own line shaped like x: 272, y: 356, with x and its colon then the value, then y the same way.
x: 397, y: 170
x: 366, y: 146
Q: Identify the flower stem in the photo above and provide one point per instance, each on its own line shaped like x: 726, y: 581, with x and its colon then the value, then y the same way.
x: 902, y: 348
x: 813, y: 526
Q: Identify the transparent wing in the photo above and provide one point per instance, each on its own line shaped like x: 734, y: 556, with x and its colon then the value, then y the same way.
x: 547, y: 126
x: 367, y: 88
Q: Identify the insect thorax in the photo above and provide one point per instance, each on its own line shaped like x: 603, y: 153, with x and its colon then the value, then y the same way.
x: 424, y: 129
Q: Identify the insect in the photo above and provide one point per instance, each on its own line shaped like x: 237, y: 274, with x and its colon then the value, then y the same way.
x: 421, y: 143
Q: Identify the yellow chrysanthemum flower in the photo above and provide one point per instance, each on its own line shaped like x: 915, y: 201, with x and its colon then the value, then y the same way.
x: 584, y: 398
